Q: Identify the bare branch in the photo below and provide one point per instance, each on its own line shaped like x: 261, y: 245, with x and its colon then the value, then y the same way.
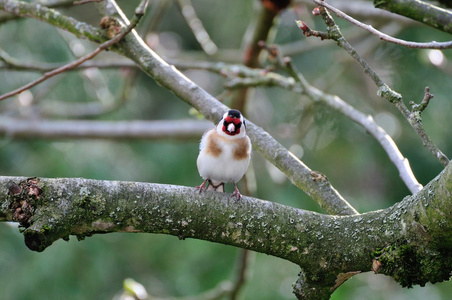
x: 86, y: 1
x: 383, y: 36
x: 383, y: 89
x: 242, y: 263
x: 387, y: 143
x: 421, y: 11
x: 12, y: 63
x: 196, y: 27
x: 48, y: 129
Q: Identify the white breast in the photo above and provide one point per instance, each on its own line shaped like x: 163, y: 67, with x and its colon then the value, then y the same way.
x: 223, y: 167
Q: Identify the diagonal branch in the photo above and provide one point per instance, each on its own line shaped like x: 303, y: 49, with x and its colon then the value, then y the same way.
x: 240, y: 76
x: 169, y: 77
x: 387, y: 143
x: 196, y: 27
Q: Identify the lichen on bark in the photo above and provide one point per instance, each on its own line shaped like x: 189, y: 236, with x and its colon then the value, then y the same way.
x: 411, y: 240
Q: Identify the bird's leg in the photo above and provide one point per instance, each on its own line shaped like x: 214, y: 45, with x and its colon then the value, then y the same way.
x: 202, y: 187
x: 236, y: 192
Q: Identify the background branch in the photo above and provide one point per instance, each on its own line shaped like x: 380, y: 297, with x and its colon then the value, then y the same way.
x: 196, y: 27
x: 383, y: 36
x: 421, y: 11
x: 52, y: 129
x: 114, y: 40
x: 383, y: 89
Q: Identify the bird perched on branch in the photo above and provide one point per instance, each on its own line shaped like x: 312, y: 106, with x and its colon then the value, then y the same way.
x: 224, y: 153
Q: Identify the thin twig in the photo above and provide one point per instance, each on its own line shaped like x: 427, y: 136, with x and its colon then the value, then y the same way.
x: 138, y: 14
x: 424, y: 103
x: 383, y: 36
x: 310, y: 32
x: 12, y: 63
x: 383, y: 89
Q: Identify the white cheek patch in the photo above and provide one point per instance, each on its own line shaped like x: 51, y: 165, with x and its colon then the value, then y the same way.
x: 231, y: 127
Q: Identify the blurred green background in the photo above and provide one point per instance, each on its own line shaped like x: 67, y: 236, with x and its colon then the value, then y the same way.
x: 326, y: 141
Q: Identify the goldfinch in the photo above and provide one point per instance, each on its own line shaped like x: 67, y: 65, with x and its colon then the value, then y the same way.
x: 224, y: 153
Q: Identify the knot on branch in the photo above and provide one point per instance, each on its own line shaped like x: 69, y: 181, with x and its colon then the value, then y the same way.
x: 111, y: 25
x: 392, y: 96
x: 25, y: 196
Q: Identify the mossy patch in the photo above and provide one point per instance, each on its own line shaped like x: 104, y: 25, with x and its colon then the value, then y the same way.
x: 414, y: 265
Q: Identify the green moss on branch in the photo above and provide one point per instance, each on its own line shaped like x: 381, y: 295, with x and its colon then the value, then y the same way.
x: 412, y: 240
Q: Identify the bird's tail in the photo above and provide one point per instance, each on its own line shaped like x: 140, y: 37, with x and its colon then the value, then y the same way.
x: 216, y: 186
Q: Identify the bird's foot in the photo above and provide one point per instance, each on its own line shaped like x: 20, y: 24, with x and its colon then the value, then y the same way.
x: 236, y: 193
x: 202, y: 187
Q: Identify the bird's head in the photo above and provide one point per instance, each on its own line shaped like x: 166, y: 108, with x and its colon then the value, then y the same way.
x: 232, y: 123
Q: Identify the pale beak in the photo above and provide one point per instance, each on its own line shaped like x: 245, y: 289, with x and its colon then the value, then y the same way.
x: 231, y: 127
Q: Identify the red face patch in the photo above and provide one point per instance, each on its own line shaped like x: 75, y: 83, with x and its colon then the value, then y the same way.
x: 228, y: 120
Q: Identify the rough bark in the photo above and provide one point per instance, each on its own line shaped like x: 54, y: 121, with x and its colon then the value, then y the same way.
x: 410, y: 241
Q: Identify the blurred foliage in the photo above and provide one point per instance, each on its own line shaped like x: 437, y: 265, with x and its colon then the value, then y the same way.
x: 355, y: 163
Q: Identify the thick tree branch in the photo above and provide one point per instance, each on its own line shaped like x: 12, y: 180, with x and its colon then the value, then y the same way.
x: 411, y: 241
